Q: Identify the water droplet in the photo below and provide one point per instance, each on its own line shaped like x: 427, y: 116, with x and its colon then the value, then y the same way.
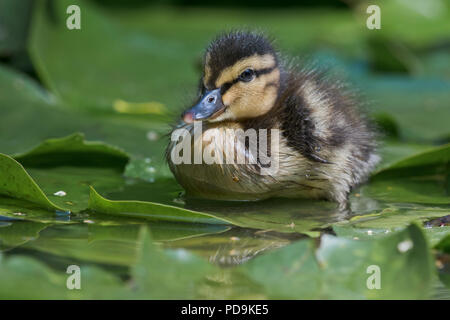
x: 140, y: 169
x: 405, y: 246
x: 180, y: 198
x: 152, y: 136
x: 179, y: 201
x: 182, y: 254
x: 60, y: 194
x: 150, y: 169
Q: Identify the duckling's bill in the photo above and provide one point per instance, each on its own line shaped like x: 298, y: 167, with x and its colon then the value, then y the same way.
x: 209, y: 106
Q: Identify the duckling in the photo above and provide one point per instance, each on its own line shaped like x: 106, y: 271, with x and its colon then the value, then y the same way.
x: 324, y: 145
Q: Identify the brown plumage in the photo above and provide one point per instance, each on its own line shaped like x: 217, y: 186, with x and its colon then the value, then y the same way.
x: 325, y: 145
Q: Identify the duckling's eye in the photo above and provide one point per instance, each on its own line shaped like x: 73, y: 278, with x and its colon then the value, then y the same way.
x: 247, y: 75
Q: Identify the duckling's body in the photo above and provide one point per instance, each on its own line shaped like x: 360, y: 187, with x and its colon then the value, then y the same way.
x: 324, y: 147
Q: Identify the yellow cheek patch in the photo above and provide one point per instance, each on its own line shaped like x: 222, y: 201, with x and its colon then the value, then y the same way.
x: 252, y: 99
x: 256, y: 62
x: 230, y: 95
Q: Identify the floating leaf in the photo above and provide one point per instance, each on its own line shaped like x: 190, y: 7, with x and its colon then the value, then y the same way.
x: 339, y: 268
x: 405, y: 180
x: 65, y: 167
x: 138, y: 66
x: 434, y: 235
x: 15, y: 182
x: 434, y: 159
x: 19, y: 233
x: 397, y: 217
x: 149, y: 210
x: 73, y: 150
x: 21, y: 132
x: 444, y: 244
x: 290, y: 272
x: 168, y: 275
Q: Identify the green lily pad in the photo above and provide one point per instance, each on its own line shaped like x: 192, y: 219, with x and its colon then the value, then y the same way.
x: 138, y: 69
x: 65, y: 167
x: 127, y: 133
x: 405, y: 180
x: 172, y: 274
x: 290, y: 272
x: 398, y: 217
x: 157, y: 274
x: 149, y: 210
x: 281, y: 215
x: 406, y: 100
x: 73, y: 243
x: 68, y: 186
x: 161, y: 231
x: 28, y: 211
x: 393, y: 151
x: 409, y: 190
x: 108, y: 244
x: 339, y: 268
x: 73, y: 150
x: 434, y: 235
x: 21, y: 275
x: 18, y: 233
x: 444, y: 244
x: 436, y: 158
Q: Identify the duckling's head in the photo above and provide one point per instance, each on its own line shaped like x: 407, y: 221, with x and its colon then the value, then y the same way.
x: 241, y: 78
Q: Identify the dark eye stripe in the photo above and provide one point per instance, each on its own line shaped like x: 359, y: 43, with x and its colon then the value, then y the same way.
x: 227, y: 85
x: 264, y: 71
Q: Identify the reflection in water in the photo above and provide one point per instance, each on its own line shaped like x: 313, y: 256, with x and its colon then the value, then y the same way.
x: 235, y: 246
x: 282, y: 215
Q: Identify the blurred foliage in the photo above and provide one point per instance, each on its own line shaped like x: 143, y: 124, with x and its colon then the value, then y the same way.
x: 121, y: 79
x: 222, y: 3
x: 295, y: 271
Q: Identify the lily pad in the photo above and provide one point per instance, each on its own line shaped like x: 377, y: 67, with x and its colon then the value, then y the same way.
x: 339, y: 268
x: 405, y: 180
x: 73, y: 150
x: 18, y: 233
x: 17, y: 183
x: 28, y: 211
x: 444, y: 244
x: 127, y: 133
x: 65, y: 167
x: 173, y: 274
x: 68, y: 186
x: 137, y: 69
x: 149, y: 210
x: 436, y: 158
